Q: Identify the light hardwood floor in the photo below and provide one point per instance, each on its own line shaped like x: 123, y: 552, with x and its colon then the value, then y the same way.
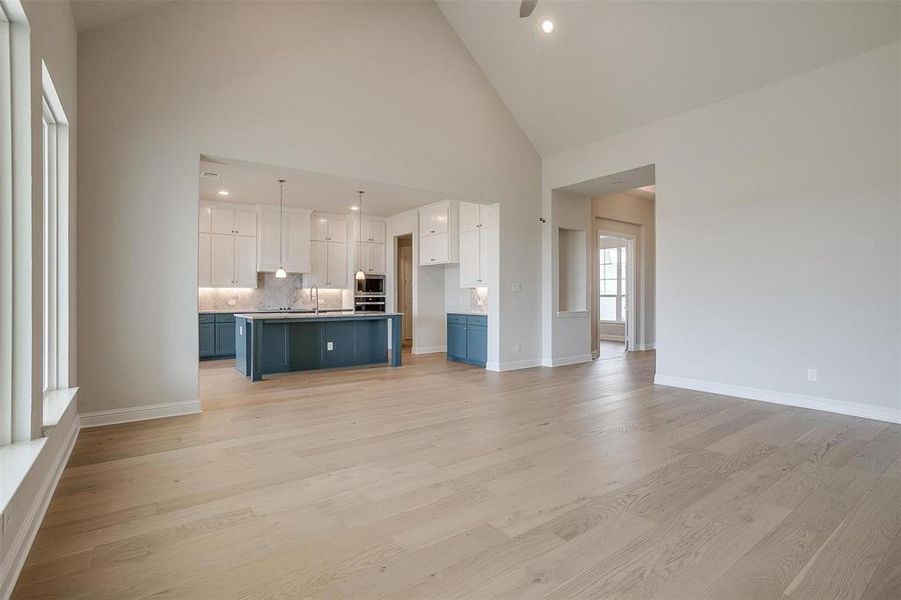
x: 442, y: 481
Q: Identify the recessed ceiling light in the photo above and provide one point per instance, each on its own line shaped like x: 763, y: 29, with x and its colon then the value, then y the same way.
x: 547, y: 25
x: 354, y: 208
x: 223, y: 192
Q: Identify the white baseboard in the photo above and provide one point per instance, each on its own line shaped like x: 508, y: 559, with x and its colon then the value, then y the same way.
x: 513, y: 365
x: 566, y: 360
x: 642, y: 347
x: 612, y: 338
x: 139, y: 413
x: 14, y: 559
x: 428, y: 349
x: 878, y: 413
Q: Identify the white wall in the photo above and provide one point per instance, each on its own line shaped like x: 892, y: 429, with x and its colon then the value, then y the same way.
x: 429, y: 333
x: 634, y: 216
x: 568, y: 335
x: 372, y: 90
x: 757, y: 199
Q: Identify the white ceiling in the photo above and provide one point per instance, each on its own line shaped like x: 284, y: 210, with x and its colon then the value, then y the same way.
x: 94, y: 13
x: 249, y: 183
x: 611, y: 66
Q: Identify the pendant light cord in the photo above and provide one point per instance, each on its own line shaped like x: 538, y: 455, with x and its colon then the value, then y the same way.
x: 281, y: 220
x: 360, y: 235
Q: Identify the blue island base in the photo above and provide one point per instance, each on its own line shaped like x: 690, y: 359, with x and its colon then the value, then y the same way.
x: 266, y: 346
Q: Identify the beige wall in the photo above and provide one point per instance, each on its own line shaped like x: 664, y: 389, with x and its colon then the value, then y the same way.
x: 804, y: 164
x: 378, y: 91
x: 631, y: 215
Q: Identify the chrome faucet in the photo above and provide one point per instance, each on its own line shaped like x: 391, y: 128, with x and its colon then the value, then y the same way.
x: 316, y: 305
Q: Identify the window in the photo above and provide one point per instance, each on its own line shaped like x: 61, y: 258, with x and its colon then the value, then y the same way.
x: 6, y: 271
x: 54, y: 155
x: 613, y: 297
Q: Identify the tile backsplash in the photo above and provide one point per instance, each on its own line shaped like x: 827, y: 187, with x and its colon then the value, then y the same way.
x: 272, y: 293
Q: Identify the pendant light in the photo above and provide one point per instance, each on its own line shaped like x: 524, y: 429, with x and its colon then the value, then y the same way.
x: 360, y: 275
x: 280, y: 273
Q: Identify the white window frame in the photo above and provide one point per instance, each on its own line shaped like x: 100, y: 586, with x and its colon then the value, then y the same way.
x: 55, y: 241
x: 622, y: 295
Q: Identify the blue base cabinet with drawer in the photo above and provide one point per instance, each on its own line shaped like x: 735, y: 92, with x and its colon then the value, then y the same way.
x: 217, y: 335
x: 467, y: 338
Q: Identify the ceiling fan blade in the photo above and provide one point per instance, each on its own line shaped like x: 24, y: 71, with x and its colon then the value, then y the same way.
x: 527, y: 8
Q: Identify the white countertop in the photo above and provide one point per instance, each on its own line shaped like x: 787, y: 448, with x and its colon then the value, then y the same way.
x: 228, y: 311
x: 468, y: 312
x: 320, y: 315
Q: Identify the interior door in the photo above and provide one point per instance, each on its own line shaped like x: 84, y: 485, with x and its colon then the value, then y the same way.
x: 245, y: 261
x: 405, y: 288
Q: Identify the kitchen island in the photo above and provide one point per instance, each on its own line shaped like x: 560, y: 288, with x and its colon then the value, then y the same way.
x: 281, y: 342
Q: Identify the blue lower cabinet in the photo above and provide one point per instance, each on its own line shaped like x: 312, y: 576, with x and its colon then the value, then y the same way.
x: 225, y: 339
x: 467, y: 338
x: 217, y: 335
x: 207, y: 340
x: 456, y: 341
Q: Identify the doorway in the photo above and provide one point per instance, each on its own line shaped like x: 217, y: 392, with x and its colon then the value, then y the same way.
x: 616, y: 291
x: 404, y: 291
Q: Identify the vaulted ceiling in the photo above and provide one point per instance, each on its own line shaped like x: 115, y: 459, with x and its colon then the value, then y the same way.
x: 611, y: 66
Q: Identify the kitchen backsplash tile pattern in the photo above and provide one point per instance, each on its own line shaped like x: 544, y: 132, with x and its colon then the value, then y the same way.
x: 272, y: 293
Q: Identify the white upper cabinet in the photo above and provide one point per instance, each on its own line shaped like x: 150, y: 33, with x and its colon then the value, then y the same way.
x: 245, y: 261
x: 369, y: 245
x: 296, y: 241
x: 329, y: 228
x: 434, y: 218
x: 246, y: 222
x: 369, y: 258
x: 477, y: 225
x: 330, y: 249
x: 294, y: 252
x: 329, y: 264
x: 235, y: 221
x: 222, y: 270
x: 373, y: 231
x: 227, y: 246
x: 204, y: 261
x: 206, y: 218
x: 439, y: 233
x: 477, y: 216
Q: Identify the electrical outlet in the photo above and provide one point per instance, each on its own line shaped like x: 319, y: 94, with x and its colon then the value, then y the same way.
x: 329, y: 346
x: 517, y: 347
x: 232, y: 301
x: 811, y: 374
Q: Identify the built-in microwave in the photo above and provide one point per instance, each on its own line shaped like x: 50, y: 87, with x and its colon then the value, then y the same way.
x: 370, y: 285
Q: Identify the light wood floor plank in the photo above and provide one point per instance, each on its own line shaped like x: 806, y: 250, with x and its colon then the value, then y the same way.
x: 438, y: 480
